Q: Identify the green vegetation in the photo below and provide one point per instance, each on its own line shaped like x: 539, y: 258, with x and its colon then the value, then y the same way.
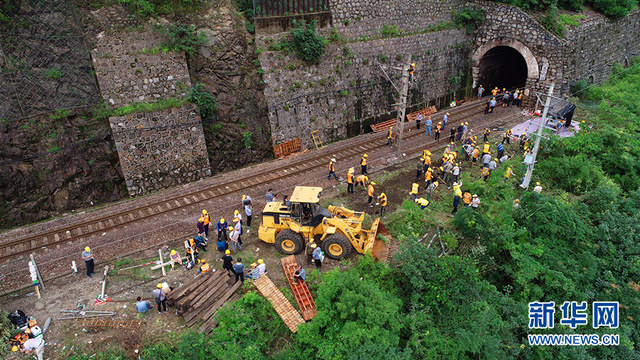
x: 180, y: 37
x: 335, y: 37
x: 469, y: 18
x: 104, y: 112
x: 307, y: 43
x: 390, y: 31
x: 247, y: 140
x: 611, y: 8
x: 551, y: 23
x: 60, y: 114
x: 153, y: 8
x: 205, y: 101
x: 570, y: 20
x: 245, y: 7
x: 53, y: 74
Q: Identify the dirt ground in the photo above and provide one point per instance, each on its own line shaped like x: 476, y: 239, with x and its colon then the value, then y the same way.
x: 64, y: 337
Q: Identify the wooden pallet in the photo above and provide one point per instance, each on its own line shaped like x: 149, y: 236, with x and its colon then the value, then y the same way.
x: 424, y: 112
x: 282, y: 306
x: 300, y: 290
x: 383, y: 126
x: 287, y: 148
x: 201, y: 299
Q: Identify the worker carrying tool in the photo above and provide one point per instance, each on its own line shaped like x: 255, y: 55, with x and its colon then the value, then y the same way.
x: 350, y: 181
x: 414, y: 190
x: 422, y: 202
x: 332, y: 169
x: 390, y: 137
x: 370, y: 191
x: 383, y: 203
x: 362, y: 180
x: 363, y: 164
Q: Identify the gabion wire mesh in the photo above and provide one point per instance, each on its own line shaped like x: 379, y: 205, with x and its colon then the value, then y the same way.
x: 44, y: 62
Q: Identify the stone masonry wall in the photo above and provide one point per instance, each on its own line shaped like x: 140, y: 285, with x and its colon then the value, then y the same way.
x: 130, y: 70
x: 160, y: 149
x: 597, y: 45
x: 348, y: 86
x: 358, y: 18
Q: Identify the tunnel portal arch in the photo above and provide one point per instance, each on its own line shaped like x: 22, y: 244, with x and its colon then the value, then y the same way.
x: 504, y: 64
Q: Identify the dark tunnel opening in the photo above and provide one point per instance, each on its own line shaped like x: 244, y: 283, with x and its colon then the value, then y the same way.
x: 502, y: 67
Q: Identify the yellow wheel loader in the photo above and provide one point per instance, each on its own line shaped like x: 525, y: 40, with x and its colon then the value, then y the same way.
x: 338, y: 230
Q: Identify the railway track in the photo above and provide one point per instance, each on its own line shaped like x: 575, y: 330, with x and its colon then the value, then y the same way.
x: 100, y: 224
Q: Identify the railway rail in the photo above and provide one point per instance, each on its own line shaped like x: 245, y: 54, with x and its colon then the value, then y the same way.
x: 100, y: 224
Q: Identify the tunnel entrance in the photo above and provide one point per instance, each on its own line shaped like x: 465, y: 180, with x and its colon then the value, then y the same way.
x: 502, y: 67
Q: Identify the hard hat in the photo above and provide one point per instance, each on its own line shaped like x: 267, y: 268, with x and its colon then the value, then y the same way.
x: 314, y: 245
x: 222, y: 221
x: 436, y: 183
x: 159, y: 286
x: 254, y: 264
x: 230, y: 228
x: 236, y: 220
x: 447, y: 113
x: 227, y: 252
x: 475, y: 195
x: 373, y: 183
x: 27, y: 331
x: 333, y: 160
x: 461, y: 123
x: 428, y: 152
x: 455, y: 184
x: 537, y: 183
x: 365, y: 155
x: 173, y: 252
x: 87, y: 249
x: 466, y: 123
x: 236, y: 212
x: 203, y: 261
x: 201, y: 220
x: 244, y: 197
x: 439, y: 122
x: 204, y: 212
x: 14, y: 348
x: 495, y: 159
x: 351, y: 170
x: 517, y: 200
x: 260, y: 261
x: 421, y: 159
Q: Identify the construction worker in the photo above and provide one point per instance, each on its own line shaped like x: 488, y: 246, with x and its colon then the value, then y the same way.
x: 200, y: 227
x: 204, y: 266
x: 206, y: 220
x: 504, y: 137
x: 192, y: 249
x: 362, y: 180
x: 317, y: 255
x: 480, y: 91
x: 390, y: 137
x: 34, y: 344
x: 486, y: 148
x: 174, y: 257
x: 508, y: 174
x: 383, y: 203
x: 465, y: 129
x: 309, y: 251
x: 456, y: 172
x: 456, y: 189
x: 370, y: 192
x: 492, y: 105
x: 475, y: 202
x: 445, y: 118
x: 269, y: 196
x: 415, y: 187
x: 493, y: 164
x: 350, y: 181
x: 332, y: 169
x: 438, y: 131
x: 300, y: 274
x: 160, y: 297
x: 419, y: 169
x: 222, y: 229
x: 475, y: 155
x: 456, y: 202
x: 495, y: 91
x: 538, y: 188
x: 500, y: 149
x: 237, y: 215
x: 418, y: 121
x: 87, y: 256
x: 363, y: 164
x: 426, y: 155
x: 428, y: 177
x: 422, y: 202
x: 466, y: 198
x: 447, y: 167
x: 459, y: 132
x: 452, y: 134
x: 516, y: 203
x: 508, y: 138
x: 431, y: 188
x: 484, y: 173
x: 227, y: 262
x: 427, y: 126
x: 238, y: 270
x: 248, y: 210
x: 142, y: 306
x: 234, y: 237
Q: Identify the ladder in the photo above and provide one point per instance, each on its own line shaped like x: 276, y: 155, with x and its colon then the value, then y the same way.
x: 316, y: 140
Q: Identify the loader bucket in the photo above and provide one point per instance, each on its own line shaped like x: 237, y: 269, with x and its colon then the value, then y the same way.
x: 377, y: 245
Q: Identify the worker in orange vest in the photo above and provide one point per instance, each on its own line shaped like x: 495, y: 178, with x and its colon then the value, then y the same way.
x: 383, y: 203
x: 350, y: 181
x: 206, y: 219
x: 370, y: 192
x: 428, y: 177
x: 332, y: 169
x: 390, y: 137
x: 362, y: 180
x: 363, y: 164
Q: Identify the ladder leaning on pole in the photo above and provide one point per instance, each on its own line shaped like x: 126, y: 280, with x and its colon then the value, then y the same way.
x: 316, y: 140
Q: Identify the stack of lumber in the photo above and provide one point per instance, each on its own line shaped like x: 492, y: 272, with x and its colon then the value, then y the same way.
x: 286, y: 148
x: 202, y: 298
x: 280, y: 303
x: 300, y: 289
x: 424, y: 112
x: 383, y: 126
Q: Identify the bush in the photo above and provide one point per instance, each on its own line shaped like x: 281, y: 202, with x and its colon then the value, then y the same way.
x: 551, y: 23
x: 180, y: 37
x: 308, y: 45
x: 205, y: 101
x: 391, y: 31
x: 245, y: 7
x: 469, y: 18
x: 614, y: 8
x: 579, y: 88
x: 570, y: 20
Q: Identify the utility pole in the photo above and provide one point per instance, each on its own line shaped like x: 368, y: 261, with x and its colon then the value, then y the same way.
x: 402, y: 107
x: 530, y: 160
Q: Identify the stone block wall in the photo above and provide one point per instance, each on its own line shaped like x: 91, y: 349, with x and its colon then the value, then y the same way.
x: 160, y: 149
x: 130, y: 70
x: 597, y: 44
x: 348, y: 86
x: 358, y: 18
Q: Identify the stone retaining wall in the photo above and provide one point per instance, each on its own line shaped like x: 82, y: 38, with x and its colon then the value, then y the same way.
x: 160, y: 149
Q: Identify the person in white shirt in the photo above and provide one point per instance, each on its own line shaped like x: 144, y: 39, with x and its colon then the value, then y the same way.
x: 36, y: 344
x: 475, y: 202
x: 538, y: 188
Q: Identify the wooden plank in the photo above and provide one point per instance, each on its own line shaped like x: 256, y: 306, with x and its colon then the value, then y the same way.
x: 195, y: 292
x: 283, y: 307
x: 213, y: 288
x: 192, y: 317
x: 209, y: 315
x: 300, y: 290
x: 180, y: 292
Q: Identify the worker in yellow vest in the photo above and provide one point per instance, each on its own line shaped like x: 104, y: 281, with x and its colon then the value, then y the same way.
x: 508, y: 174
x: 370, y: 191
x: 332, y: 169
x: 350, y: 181
x: 383, y: 203
x: 206, y: 219
x: 456, y: 189
x: 362, y: 180
x: 415, y: 187
x: 487, y: 131
x: 363, y: 164
x: 390, y: 137
x: 422, y: 202
x: 486, y: 148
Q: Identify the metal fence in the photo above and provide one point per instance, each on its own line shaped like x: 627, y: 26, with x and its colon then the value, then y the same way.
x: 266, y: 8
x: 44, y: 62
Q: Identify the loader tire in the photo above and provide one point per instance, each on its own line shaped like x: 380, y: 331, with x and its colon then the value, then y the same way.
x: 336, y: 246
x: 289, y: 242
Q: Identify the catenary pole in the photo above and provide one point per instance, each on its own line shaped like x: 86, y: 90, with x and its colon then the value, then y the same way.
x: 531, y: 160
